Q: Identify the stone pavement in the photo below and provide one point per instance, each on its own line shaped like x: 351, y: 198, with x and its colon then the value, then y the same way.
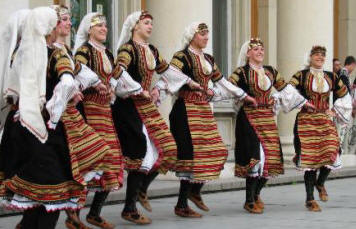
x: 168, y: 185
x: 284, y: 209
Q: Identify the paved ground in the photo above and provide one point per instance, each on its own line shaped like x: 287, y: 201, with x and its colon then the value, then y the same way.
x: 284, y: 209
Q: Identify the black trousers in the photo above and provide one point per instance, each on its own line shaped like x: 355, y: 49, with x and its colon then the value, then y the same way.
x: 98, y: 203
x: 134, y: 183
x: 184, y: 190
x: 251, y: 185
x: 147, y: 180
x: 309, y: 180
x: 39, y: 218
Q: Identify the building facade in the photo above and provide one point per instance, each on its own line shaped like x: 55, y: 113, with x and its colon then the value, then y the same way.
x: 289, y: 29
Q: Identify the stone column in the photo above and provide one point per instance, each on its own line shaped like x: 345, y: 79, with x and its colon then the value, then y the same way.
x: 170, y: 19
x: 301, y: 24
x: 267, y: 29
x: 347, y: 29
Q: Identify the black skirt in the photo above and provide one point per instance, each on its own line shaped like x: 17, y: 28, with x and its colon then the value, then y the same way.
x: 247, y: 145
x: 180, y: 130
x: 40, y: 172
x: 128, y: 125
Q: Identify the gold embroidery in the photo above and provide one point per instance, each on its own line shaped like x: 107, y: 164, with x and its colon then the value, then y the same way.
x: 124, y: 58
x: 150, y: 59
x: 319, y: 80
x: 81, y: 59
x: 106, y: 62
x: 262, y: 79
x: 234, y: 78
x: 204, y: 64
x: 177, y: 63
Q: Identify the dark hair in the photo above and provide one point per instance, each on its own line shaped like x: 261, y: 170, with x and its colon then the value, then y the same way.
x: 335, y: 59
x: 350, y: 60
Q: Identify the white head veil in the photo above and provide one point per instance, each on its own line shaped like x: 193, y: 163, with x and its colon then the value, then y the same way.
x: 242, y: 60
x: 9, y: 82
x: 31, y: 62
x: 127, y: 27
x: 189, y: 33
x: 83, y: 30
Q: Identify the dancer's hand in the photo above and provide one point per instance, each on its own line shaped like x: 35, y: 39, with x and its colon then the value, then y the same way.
x: 155, y: 95
x: 331, y: 113
x: 145, y: 94
x: 77, y: 98
x: 210, y: 93
x: 194, y: 85
x: 308, y: 105
x: 101, y: 88
x: 251, y: 100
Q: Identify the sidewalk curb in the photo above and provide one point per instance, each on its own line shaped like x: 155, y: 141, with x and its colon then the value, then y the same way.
x: 221, y: 185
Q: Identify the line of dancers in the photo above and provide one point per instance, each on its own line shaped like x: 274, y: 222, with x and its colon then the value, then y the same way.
x: 74, y: 120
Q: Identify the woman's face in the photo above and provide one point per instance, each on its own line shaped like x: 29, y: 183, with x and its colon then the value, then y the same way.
x: 64, y: 26
x: 317, y: 60
x: 144, y: 28
x: 256, y: 54
x: 200, y: 39
x: 98, y: 32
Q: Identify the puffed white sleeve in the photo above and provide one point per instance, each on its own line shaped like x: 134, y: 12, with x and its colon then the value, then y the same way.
x: 288, y: 99
x: 86, y: 78
x: 172, y: 80
x: 343, y: 108
x: 125, y: 86
x: 223, y: 90
x: 62, y: 93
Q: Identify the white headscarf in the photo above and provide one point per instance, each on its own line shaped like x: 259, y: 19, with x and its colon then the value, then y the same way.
x: 10, y: 34
x: 242, y: 60
x: 127, y: 27
x: 31, y: 60
x: 83, y: 30
x: 189, y: 33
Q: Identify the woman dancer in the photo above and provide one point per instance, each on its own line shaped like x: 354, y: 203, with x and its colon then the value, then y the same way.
x: 92, y: 54
x: 316, y: 141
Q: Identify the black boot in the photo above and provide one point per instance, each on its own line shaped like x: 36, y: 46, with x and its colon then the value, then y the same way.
x: 147, y: 180
x: 39, y: 218
x: 309, y: 179
x: 182, y: 209
x: 323, y: 176
x: 30, y: 218
x: 195, y: 196
x: 260, y: 184
x: 184, y: 190
x: 250, y: 205
x: 134, y: 182
x: 142, y: 195
x: 47, y: 220
x: 196, y: 188
x: 97, y: 205
x: 251, y: 185
x: 130, y: 213
x: 93, y: 216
